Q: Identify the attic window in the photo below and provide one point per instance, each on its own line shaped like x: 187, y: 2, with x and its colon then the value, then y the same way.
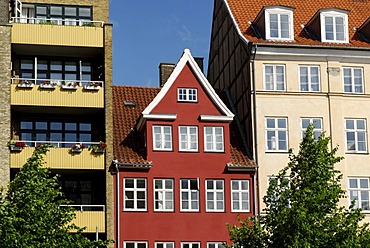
x: 187, y: 95
x: 279, y: 24
x: 334, y: 26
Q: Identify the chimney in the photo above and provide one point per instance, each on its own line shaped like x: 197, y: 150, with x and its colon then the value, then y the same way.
x: 165, y: 70
x: 199, y: 61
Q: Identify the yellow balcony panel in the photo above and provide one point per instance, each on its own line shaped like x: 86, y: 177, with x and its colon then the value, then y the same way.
x: 57, y: 97
x: 61, y: 158
x: 57, y: 35
x: 90, y: 220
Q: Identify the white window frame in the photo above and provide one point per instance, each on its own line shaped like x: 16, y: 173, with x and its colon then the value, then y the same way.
x: 136, y: 243
x: 276, y: 129
x: 189, y: 192
x: 239, y: 192
x: 165, y: 244
x: 356, y: 132
x: 160, y: 195
x: 135, y: 191
x: 352, y: 79
x: 215, y: 192
x: 274, y: 77
x: 277, y: 195
x: 334, y: 15
x: 188, y: 139
x: 316, y: 130
x: 358, y: 193
x: 279, y: 12
x: 162, y: 138
x: 190, y: 244
x: 187, y: 95
x: 211, y: 139
x: 310, y: 75
x: 215, y: 244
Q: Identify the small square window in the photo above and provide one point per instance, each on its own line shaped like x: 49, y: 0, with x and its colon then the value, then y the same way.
x: 187, y: 95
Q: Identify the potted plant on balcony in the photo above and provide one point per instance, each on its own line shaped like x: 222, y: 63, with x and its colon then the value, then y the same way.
x: 77, y: 148
x: 98, y: 148
x: 48, y: 85
x: 69, y: 85
x: 93, y: 86
x: 16, y: 145
x: 25, y: 84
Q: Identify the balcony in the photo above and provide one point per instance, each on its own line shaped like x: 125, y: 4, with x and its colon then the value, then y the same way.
x: 90, y: 216
x: 57, y: 93
x: 57, y: 32
x: 61, y: 156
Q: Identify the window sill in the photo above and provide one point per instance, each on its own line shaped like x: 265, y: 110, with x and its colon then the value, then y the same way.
x: 357, y: 153
x: 273, y: 151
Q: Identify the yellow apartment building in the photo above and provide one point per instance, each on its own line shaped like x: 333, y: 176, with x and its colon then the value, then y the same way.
x: 285, y: 64
x: 56, y: 78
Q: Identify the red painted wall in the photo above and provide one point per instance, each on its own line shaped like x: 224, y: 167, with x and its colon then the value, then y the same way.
x: 180, y: 226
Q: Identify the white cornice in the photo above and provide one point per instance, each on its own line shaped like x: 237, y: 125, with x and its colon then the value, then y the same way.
x: 216, y: 118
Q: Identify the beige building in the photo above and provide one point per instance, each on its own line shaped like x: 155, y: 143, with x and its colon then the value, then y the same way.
x: 285, y: 64
x: 56, y: 79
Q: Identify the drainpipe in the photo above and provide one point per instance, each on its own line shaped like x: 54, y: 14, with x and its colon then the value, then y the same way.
x: 329, y: 105
x: 257, y: 192
x: 118, y: 206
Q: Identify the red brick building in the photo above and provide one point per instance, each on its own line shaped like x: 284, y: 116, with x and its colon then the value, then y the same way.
x: 180, y: 169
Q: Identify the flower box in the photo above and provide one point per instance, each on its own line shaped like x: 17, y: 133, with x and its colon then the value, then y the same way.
x: 76, y: 150
x: 47, y: 86
x: 25, y: 85
x: 69, y: 87
x: 15, y: 148
x: 87, y: 87
x: 99, y: 150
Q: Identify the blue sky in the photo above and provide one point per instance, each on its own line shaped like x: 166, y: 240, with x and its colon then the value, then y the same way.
x: 146, y: 33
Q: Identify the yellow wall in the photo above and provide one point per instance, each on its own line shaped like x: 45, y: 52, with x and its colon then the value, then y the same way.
x: 61, y: 158
x: 90, y: 219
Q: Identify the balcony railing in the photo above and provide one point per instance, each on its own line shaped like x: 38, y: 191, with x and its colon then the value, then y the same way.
x: 55, y: 21
x: 58, y: 144
x: 91, y: 219
x: 52, y: 83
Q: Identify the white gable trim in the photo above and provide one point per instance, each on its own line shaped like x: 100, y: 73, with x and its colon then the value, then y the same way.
x: 216, y: 118
x: 235, y: 23
x: 188, y: 58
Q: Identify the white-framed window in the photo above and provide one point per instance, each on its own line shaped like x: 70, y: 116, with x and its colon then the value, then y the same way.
x: 284, y: 184
x: 276, y: 134
x: 135, y: 194
x: 317, y: 127
x: 189, y: 195
x: 279, y: 24
x: 240, y: 196
x: 135, y: 244
x: 353, y: 80
x: 164, y: 244
x: 214, y: 139
x: 163, y: 195
x: 274, y: 77
x: 162, y: 138
x: 188, y: 140
x: 190, y: 244
x: 309, y: 78
x: 356, y: 135
x: 359, y: 191
x: 215, y: 245
x: 214, y: 195
x: 334, y: 27
x: 187, y: 95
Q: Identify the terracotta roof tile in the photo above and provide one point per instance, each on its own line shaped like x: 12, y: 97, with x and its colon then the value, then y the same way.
x: 244, y: 11
x: 127, y: 147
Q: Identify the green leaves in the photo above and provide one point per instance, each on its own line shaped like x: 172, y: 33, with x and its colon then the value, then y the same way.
x: 302, y: 205
x: 30, y: 215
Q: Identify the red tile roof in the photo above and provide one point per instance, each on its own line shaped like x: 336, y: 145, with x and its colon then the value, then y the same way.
x: 127, y: 146
x: 244, y: 11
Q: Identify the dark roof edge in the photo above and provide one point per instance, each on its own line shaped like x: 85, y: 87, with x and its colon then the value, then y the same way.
x: 241, y: 168
x: 144, y: 166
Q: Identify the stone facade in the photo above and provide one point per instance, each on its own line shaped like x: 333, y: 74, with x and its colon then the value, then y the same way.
x: 5, y: 63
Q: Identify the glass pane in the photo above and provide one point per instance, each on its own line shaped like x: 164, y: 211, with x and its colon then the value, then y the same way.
x: 70, y: 11
x: 56, y: 65
x: 70, y: 126
x: 85, y: 126
x: 85, y: 12
x: 55, y: 126
x: 129, y: 183
x: 27, y: 64
x: 85, y: 137
x: 26, y: 125
x: 55, y: 10
x: 140, y: 183
x: 41, y: 125
x: 56, y: 137
x: 364, y: 183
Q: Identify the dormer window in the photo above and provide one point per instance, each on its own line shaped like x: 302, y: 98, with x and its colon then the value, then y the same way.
x: 334, y: 26
x: 187, y: 95
x: 279, y: 24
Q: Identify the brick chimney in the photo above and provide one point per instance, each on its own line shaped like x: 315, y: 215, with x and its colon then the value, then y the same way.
x: 165, y: 70
x: 199, y: 61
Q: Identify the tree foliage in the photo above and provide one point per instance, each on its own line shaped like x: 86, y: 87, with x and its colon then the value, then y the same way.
x: 302, y: 205
x: 30, y: 212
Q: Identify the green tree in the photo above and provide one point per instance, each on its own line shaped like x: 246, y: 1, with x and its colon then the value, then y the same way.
x: 30, y: 212
x: 302, y: 205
